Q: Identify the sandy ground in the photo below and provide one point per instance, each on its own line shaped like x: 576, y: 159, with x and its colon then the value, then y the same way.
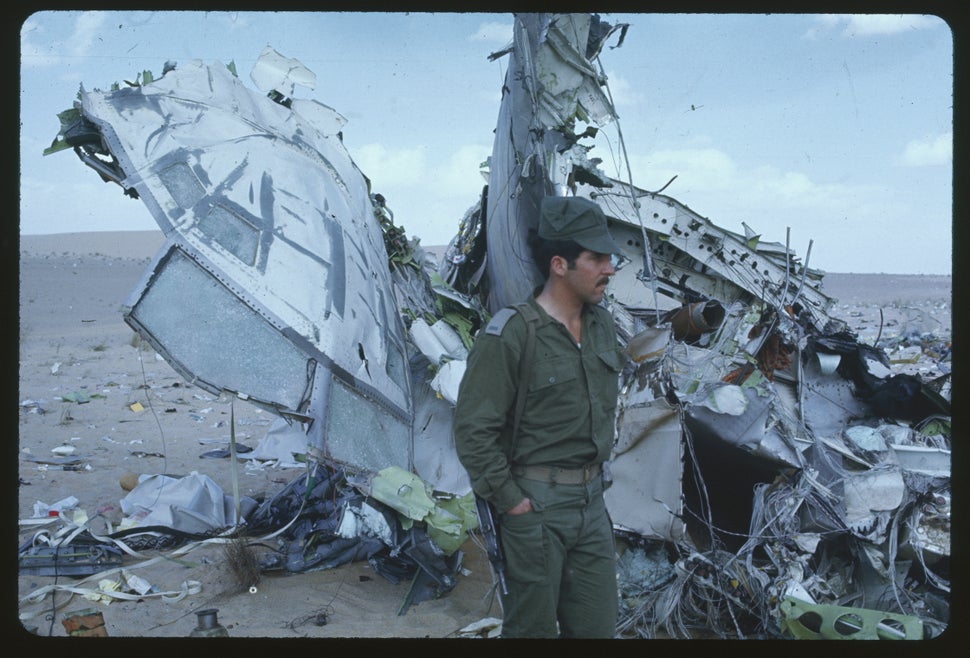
x: 81, y: 371
x: 74, y: 343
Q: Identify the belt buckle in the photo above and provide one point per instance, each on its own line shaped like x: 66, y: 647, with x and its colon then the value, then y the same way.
x: 586, y: 473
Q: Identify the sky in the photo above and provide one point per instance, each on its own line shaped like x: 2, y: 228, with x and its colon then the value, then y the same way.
x: 834, y: 129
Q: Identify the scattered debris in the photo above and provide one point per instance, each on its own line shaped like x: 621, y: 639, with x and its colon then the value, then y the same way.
x: 76, y: 560
x: 328, y: 520
x: 489, y: 627
x: 142, y: 453
x: 224, y: 453
x: 65, y: 462
x: 317, y: 618
x: 80, y: 397
x: 208, y: 624
x: 34, y: 406
x: 42, y: 509
x: 85, y: 623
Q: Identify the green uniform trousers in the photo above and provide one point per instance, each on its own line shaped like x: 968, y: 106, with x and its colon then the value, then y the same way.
x: 561, y: 563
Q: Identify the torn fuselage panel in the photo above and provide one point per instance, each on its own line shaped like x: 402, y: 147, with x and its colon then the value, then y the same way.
x: 551, y: 82
x: 694, y: 259
x: 273, y: 256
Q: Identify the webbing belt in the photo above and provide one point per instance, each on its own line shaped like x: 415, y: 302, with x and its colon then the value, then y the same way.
x: 557, y: 475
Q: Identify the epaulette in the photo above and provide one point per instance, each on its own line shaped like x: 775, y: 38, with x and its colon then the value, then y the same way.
x: 497, y: 324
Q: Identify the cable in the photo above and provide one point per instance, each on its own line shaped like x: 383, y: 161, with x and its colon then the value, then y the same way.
x: 647, y: 262
x: 151, y: 407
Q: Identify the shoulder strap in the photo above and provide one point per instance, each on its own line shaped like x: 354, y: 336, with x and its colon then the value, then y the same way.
x: 525, y: 363
x: 497, y: 324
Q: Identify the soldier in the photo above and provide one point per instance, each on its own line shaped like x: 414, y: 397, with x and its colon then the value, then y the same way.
x: 541, y: 468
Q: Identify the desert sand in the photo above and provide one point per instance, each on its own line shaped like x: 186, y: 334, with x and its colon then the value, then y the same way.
x: 97, y: 406
x: 81, y: 370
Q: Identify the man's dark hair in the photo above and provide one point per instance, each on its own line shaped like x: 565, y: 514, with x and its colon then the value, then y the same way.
x: 543, y: 250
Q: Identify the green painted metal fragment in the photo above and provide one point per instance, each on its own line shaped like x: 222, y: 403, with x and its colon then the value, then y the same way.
x: 807, y: 621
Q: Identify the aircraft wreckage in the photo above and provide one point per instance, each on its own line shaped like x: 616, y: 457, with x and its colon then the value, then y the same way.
x: 772, y: 476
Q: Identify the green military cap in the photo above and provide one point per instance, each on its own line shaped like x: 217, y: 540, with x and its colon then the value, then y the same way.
x: 577, y: 219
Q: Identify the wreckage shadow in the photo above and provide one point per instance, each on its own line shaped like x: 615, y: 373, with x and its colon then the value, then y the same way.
x: 719, y: 482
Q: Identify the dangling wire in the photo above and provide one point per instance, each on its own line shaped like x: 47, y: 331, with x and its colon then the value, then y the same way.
x: 151, y: 407
x: 647, y: 260
x: 235, y: 463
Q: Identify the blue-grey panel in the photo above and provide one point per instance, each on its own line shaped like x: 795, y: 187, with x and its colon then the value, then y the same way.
x: 362, y: 433
x: 205, y: 328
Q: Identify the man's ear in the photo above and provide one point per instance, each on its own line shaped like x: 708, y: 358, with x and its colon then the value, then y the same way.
x: 558, y: 265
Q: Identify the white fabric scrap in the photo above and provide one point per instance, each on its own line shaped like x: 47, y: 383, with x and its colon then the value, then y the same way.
x: 194, y: 503
x: 42, y: 509
x: 447, y: 380
x: 281, y: 445
x: 449, y: 339
x: 364, y: 521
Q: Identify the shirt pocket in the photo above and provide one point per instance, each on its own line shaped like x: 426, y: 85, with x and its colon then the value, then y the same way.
x: 613, y: 358
x: 609, y: 379
x: 555, y: 389
x: 549, y: 374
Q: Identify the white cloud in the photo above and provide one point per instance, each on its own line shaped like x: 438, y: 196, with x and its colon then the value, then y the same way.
x: 711, y: 183
x: 457, y: 175
x: 232, y: 20
x: 391, y: 167
x: 86, y: 29
x: 623, y: 93
x: 845, y: 222
x: 928, y: 151
x: 39, y: 48
x: 866, y: 24
x: 428, y: 197
x: 500, y: 33
x: 35, y: 48
x: 870, y: 24
x: 773, y: 186
x: 704, y: 168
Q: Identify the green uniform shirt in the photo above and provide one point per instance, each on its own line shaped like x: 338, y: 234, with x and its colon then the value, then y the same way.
x: 570, y: 409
